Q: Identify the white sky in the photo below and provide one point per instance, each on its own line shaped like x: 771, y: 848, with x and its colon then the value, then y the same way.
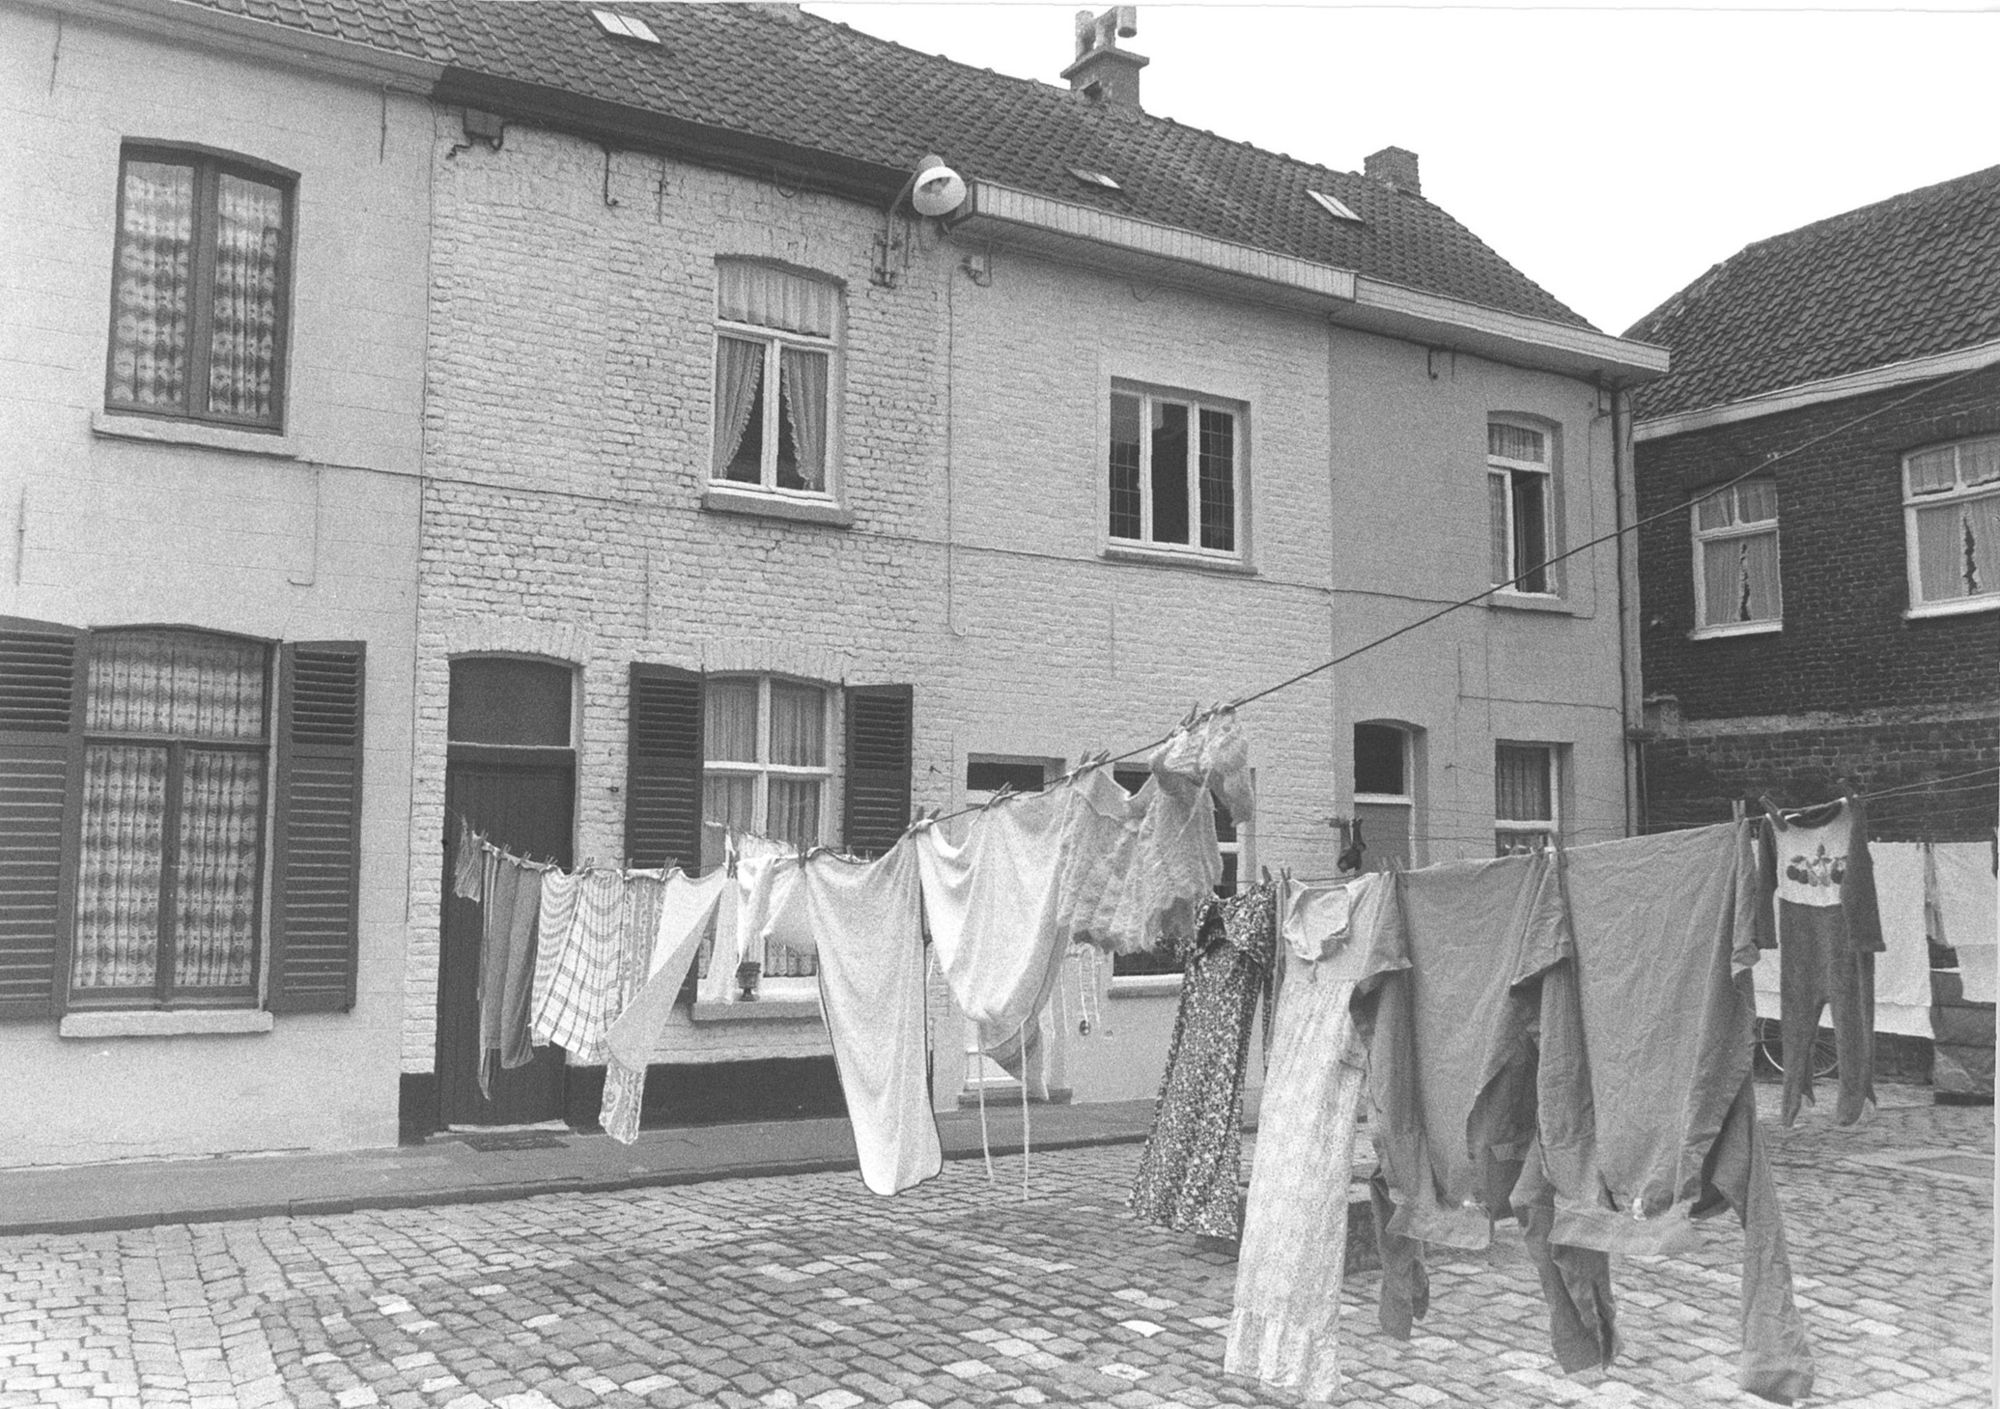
x: 1610, y: 153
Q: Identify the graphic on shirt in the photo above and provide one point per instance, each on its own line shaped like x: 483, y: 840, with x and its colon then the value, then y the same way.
x: 1819, y: 869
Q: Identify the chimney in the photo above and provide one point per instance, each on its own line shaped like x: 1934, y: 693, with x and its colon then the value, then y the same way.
x: 1394, y: 168
x: 1106, y: 72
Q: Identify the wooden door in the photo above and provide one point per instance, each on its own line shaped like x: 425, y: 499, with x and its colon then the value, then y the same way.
x: 526, y: 805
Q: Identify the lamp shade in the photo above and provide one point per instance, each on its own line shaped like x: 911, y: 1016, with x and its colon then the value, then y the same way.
x: 938, y: 189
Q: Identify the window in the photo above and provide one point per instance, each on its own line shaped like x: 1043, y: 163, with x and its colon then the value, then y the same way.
x: 1234, y: 843
x: 1736, y: 585
x: 754, y: 752
x: 774, y: 329
x: 1519, y: 501
x: 1951, y: 515
x: 194, y: 771
x: 988, y: 773
x: 200, y: 289
x: 1384, y: 797
x: 1525, y: 798
x: 1333, y: 206
x: 1176, y: 473
x: 625, y: 26
x: 1090, y: 177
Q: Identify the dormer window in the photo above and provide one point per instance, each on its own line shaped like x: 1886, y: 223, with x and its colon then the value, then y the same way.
x: 1336, y: 208
x: 625, y: 26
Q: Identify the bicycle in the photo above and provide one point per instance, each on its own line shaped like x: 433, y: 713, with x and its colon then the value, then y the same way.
x: 1825, y: 1056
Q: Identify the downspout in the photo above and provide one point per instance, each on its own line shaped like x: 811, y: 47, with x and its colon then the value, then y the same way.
x: 1625, y: 498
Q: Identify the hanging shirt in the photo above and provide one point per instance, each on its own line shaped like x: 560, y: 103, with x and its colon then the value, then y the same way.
x: 1314, y: 917
x: 1647, y: 1112
x: 991, y: 905
x: 869, y: 926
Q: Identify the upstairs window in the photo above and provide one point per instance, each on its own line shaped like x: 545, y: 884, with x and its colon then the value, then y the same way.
x: 200, y: 289
x: 1176, y: 473
x: 775, y: 342
x: 1526, y: 798
x: 1736, y: 586
x: 1951, y: 514
x: 1520, y: 500
x: 1384, y: 795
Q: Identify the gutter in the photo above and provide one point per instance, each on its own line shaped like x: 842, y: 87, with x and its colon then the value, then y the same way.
x: 1085, y: 234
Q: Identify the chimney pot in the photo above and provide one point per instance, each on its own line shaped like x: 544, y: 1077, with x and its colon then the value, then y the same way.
x: 1102, y: 71
x: 1395, y: 168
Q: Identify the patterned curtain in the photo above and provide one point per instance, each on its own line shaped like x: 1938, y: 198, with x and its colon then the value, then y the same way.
x: 243, y: 348
x: 176, y: 682
x: 222, y: 812
x: 118, y: 883
x: 149, y: 340
x: 802, y: 387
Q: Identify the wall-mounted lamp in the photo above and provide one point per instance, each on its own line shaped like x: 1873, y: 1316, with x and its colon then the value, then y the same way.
x: 933, y: 189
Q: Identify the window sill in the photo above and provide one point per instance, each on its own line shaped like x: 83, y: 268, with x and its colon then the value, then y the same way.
x: 170, y: 1023
x: 760, y: 1010
x: 1748, y: 628
x: 1145, y: 985
x: 162, y: 430
x: 1530, y: 602
x: 1968, y: 606
x: 725, y: 499
x: 1167, y: 558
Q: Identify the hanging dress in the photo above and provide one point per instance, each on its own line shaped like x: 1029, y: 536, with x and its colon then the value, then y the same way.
x: 1192, y: 1165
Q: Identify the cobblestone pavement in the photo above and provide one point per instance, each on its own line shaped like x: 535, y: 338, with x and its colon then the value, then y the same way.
x: 809, y: 1291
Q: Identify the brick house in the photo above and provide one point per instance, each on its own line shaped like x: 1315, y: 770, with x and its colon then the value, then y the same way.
x: 1836, y: 617
x: 750, y: 494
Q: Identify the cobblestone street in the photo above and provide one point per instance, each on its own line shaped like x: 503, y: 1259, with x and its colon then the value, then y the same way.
x: 807, y: 1290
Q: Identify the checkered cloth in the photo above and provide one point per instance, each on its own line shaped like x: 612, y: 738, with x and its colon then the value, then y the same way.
x: 573, y: 1009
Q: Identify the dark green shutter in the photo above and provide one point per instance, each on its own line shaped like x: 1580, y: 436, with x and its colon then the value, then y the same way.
x: 316, y: 858
x: 877, y: 810
x: 663, y: 769
x: 41, y: 714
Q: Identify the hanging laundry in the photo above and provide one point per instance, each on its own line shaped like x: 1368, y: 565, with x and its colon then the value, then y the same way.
x: 552, y: 927
x: 1968, y: 912
x: 1829, y: 931
x: 1191, y: 1166
x: 584, y: 965
x: 1284, y: 1327
x: 765, y: 905
x: 1646, y: 1106
x: 1315, y: 917
x: 687, y: 911
x: 511, y: 900
x: 991, y: 905
x: 1903, y: 968
x: 869, y: 926
x: 468, y: 862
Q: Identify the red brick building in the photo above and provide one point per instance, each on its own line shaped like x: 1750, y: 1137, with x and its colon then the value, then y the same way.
x: 1836, y: 613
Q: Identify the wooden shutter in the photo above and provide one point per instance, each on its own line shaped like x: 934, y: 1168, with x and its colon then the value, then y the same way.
x: 663, y: 769
x: 41, y: 762
x: 316, y: 856
x: 877, y: 810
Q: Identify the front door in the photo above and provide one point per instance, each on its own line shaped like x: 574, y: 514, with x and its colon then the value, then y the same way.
x: 510, y: 778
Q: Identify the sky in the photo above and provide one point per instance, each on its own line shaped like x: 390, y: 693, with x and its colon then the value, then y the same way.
x: 1611, y: 153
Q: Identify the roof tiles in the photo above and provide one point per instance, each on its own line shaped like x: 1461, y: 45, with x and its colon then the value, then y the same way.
x: 775, y: 72
x: 1912, y: 276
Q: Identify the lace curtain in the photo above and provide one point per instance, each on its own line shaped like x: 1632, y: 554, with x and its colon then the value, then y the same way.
x: 739, y: 376
x: 1740, y: 580
x: 149, y: 340
x: 188, y: 686
x: 1958, y: 548
x: 243, y: 341
x: 774, y: 298
x: 802, y: 386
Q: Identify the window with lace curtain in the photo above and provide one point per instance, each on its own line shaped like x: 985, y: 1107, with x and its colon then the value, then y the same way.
x: 1736, y: 584
x: 765, y: 771
x: 176, y: 744
x: 776, y: 338
x: 1527, y: 797
x: 1520, y: 493
x: 200, y: 288
x: 1951, y: 515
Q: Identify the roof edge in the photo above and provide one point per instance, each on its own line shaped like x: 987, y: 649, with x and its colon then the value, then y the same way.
x: 245, y: 37
x: 1517, y: 339
x: 1839, y: 388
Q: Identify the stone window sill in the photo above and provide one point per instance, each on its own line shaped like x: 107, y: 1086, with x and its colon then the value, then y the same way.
x: 761, y: 1010
x: 1750, y: 628
x: 1146, y: 986
x: 1530, y: 602
x: 1962, y: 607
x: 726, y: 499
x: 189, y: 1022
x: 162, y: 430
x: 1166, y: 558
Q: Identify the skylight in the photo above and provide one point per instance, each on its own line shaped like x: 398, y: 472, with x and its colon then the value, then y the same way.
x: 1095, y: 178
x: 625, y: 26
x: 1333, y: 207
